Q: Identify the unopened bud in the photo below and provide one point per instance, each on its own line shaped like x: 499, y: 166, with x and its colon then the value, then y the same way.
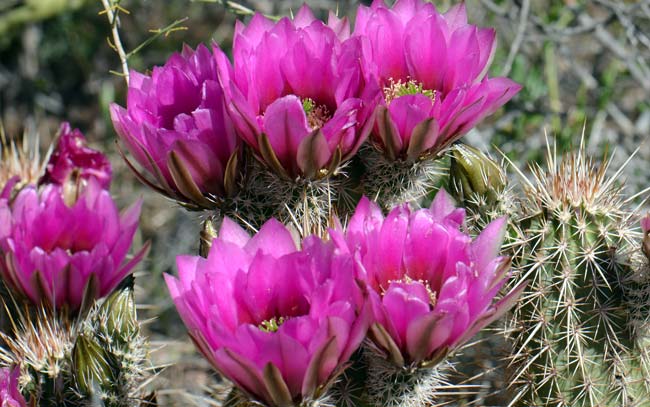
x: 209, y: 232
x: 473, y: 172
x: 91, y: 365
x: 121, y: 316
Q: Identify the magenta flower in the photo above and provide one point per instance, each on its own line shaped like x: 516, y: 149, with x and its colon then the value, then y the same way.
x: 278, y: 321
x: 73, y: 160
x: 300, y: 96
x: 177, y: 127
x: 432, y: 287
x: 433, y: 70
x: 9, y: 394
x: 54, y: 253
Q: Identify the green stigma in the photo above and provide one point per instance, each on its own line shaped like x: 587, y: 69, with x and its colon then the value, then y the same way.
x: 308, y: 105
x: 272, y: 325
x: 317, y: 115
x: 411, y: 87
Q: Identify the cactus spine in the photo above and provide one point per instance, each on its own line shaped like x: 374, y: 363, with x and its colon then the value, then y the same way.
x: 576, y: 332
x: 98, y: 359
x: 308, y: 203
x: 391, y: 182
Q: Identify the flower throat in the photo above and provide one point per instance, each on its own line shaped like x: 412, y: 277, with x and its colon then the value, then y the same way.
x: 410, y: 87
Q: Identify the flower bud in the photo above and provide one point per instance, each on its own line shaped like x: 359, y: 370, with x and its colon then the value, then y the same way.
x: 121, y: 317
x: 91, y: 365
x: 208, y: 233
x: 473, y: 172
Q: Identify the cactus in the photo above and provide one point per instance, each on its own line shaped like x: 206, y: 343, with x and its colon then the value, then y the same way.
x: 41, y: 343
x: 308, y: 204
x: 98, y: 359
x: 578, y: 332
x: 392, y: 182
x: 110, y: 355
x: 389, y: 385
x: 20, y: 163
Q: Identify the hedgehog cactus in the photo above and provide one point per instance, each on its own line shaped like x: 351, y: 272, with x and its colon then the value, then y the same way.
x: 109, y: 357
x: 63, y: 246
x: 577, y: 331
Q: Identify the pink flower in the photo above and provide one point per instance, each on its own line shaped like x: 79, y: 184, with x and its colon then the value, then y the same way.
x: 56, y: 253
x: 645, y: 224
x: 432, y: 287
x: 300, y: 96
x: 433, y: 68
x: 72, y: 160
x: 177, y: 127
x: 9, y: 394
x: 278, y: 321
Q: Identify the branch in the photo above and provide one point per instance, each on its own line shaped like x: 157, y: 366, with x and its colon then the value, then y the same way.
x: 112, y: 11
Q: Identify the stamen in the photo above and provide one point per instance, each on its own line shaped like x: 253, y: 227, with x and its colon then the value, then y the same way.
x: 410, y: 87
x: 273, y: 324
x: 433, y: 296
x: 317, y: 115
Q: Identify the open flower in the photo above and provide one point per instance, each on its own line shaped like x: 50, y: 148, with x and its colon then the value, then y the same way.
x: 432, y: 287
x: 72, y: 160
x: 9, y: 394
x: 57, y: 250
x: 177, y: 127
x: 300, y: 96
x: 278, y: 321
x: 433, y: 69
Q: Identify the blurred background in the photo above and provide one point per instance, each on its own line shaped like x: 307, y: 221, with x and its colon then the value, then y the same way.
x: 585, y: 65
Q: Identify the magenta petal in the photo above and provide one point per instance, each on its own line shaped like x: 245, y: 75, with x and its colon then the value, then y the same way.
x: 488, y: 244
x: 230, y: 231
x: 241, y: 371
x: 405, y: 302
x: 304, y: 17
x: 427, y: 64
x: 427, y: 334
x: 273, y: 238
x: 10, y: 395
x: 443, y: 207
x: 456, y: 16
x: 341, y: 26
x: 389, y: 253
x: 285, y: 124
x: 409, y: 111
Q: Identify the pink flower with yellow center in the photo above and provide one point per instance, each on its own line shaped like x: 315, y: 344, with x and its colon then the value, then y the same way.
x: 432, y: 287
x: 279, y: 321
x: 433, y: 69
x: 300, y: 96
x: 177, y: 127
x: 65, y: 241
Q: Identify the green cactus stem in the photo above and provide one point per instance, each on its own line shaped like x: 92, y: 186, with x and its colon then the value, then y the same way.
x: 393, y: 182
x: 577, y: 336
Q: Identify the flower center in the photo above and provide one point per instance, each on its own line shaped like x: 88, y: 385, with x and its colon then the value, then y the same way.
x: 272, y: 325
x: 433, y: 295
x: 410, y: 87
x: 317, y: 115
